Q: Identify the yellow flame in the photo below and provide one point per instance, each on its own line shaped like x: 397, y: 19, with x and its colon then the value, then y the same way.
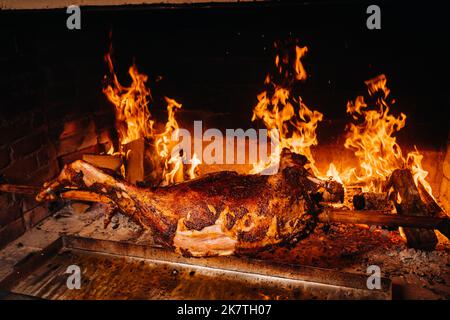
x: 134, y: 121
x: 299, y: 70
x: 163, y: 140
x: 175, y: 175
x: 333, y: 173
x: 414, y: 161
x: 373, y: 142
x: 371, y: 137
x: 110, y: 150
x: 195, y: 161
x: 295, y: 122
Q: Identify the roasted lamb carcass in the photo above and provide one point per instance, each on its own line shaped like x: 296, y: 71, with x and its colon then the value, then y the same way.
x: 218, y: 214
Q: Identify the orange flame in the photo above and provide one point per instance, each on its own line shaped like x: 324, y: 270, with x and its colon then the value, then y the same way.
x: 163, y: 139
x: 371, y: 137
x: 133, y: 118
x: 373, y: 142
x: 414, y: 161
x: 295, y: 122
x: 333, y: 174
x: 134, y: 121
x: 195, y: 161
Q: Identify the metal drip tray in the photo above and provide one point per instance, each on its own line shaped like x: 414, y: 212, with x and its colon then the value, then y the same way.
x: 121, y: 270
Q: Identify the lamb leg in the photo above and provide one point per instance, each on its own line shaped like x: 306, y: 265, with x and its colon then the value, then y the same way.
x: 139, y: 204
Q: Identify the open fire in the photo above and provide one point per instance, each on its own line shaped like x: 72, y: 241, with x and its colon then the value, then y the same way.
x: 280, y: 199
x: 134, y: 121
x: 197, y: 173
x: 371, y: 135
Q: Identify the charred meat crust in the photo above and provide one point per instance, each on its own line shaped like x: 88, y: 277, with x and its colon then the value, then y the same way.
x: 253, y: 211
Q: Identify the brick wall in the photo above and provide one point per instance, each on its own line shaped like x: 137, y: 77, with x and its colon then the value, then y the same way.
x: 45, y: 122
x: 444, y: 192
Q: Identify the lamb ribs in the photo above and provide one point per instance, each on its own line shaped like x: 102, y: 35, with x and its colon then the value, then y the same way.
x: 219, y: 214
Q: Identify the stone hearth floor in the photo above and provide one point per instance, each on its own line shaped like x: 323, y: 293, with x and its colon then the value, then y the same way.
x: 415, y: 274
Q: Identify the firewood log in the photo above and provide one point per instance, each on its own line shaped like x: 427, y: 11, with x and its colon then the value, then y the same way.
x: 381, y: 218
x: 432, y: 206
x: 329, y: 190
x: 134, y: 167
x: 402, y: 181
x: 371, y: 201
x: 104, y: 161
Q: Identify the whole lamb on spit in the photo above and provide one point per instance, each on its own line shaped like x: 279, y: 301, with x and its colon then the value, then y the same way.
x: 222, y: 213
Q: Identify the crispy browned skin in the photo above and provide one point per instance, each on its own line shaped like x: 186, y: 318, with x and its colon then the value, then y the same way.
x: 219, y: 214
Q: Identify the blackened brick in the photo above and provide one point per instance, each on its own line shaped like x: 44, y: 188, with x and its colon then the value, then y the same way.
x: 44, y: 173
x: 20, y: 170
x: 75, y: 127
x: 105, y: 120
x: 35, y: 215
x: 9, y: 46
x: 43, y: 156
x: 38, y: 119
x: 77, y: 155
x: 11, y: 232
x: 28, y: 202
x: 27, y: 145
x: 14, y: 130
x: 4, y: 157
x: 75, y: 143
x: 10, y: 210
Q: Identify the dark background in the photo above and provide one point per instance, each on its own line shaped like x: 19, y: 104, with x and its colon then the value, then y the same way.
x: 215, y: 57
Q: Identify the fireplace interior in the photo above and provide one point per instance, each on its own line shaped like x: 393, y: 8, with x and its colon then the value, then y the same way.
x: 213, y: 59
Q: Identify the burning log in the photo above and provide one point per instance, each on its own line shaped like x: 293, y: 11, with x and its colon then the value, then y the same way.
x: 134, y: 167
x: 330, y: 190
x: 432, y: 206
x: 371, y: 201
x: 402, y: 181
x: 104, y: 161
x: 381, y: 218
